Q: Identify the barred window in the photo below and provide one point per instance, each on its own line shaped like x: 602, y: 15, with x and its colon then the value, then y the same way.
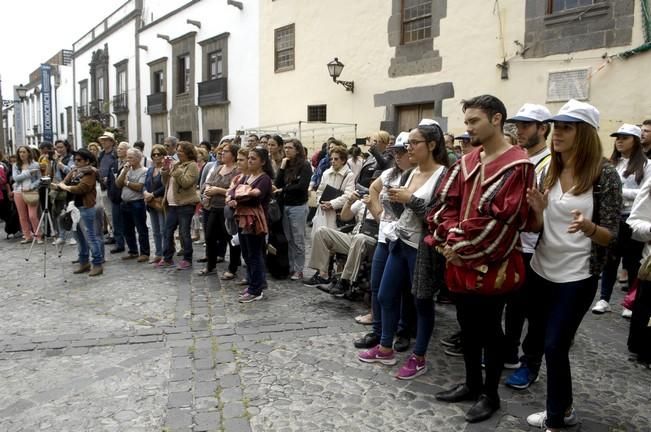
x: 284, y: 48
x: 316, y: 113
x: 554, y: 6
x: 416, y: 20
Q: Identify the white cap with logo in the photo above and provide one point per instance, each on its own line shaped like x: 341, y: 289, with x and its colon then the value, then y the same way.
x: 629, y: 130
x: 577, y: 112
x: 531, y: 113
x: 401, y: 141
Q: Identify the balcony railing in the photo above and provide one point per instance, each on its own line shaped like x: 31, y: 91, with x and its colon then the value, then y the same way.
x: 120, y: 103
x: 213, y: 92
x: 96, y: 107
x: 82, y: 112
x: 157, y: 103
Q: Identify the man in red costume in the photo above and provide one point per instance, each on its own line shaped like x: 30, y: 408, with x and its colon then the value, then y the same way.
x: 476, y: 223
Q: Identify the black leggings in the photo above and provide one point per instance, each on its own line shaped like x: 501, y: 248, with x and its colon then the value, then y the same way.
x: 216, y: 234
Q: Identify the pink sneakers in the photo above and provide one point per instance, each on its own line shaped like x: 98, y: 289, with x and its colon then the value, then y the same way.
x: 374, y: 355
x: 412, y: 368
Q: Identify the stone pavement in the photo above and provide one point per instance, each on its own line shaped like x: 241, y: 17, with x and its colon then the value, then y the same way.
x: 140, y: 349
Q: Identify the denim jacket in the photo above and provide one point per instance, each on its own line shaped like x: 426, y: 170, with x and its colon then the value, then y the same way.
x: 28, y: 179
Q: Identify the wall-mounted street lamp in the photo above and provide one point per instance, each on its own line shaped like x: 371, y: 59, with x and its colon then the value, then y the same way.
x: 334, y: 69
x: 21, y: 92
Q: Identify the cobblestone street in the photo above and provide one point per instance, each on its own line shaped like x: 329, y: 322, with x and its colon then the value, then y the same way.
x: 139, y: 349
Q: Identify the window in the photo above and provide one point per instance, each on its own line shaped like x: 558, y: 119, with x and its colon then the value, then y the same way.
x: 158, y: 83
x: 214, y: 136
x: 100, y: 88
x: 60, y: 128
x: 159, y: 137
x: 416, y: 20
x: 83, y: 94
x: 316, y: 113
x: 215, y: 65
x: 122, y: 82
x: 185, y: 136
x: 554, y: 6
x: 284, y: 48
x: 183, y: 74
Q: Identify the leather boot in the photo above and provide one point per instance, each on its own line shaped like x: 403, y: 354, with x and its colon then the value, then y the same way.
x: 96, y: 270
x: 83, y: 268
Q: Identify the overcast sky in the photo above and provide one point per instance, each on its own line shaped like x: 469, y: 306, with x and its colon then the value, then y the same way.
x: 32, y: 31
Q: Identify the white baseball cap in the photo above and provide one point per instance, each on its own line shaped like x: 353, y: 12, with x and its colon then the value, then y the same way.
x: 401, y: 141
x: 428, y: 122
x: 628, y: 129
x: 531, y: 113
x: 574, y: 111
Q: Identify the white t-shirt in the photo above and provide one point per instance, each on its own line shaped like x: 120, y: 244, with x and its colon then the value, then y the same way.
x: 560, y: 256
x: 388, y: 219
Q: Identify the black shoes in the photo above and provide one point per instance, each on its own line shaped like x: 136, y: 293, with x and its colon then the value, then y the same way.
x: 401, y: 343
x: 117, y: 250
x: 369, y: 340
x: 459, y: 393
x: 317, y: 281
x: 483, y: 409
x: 340, y: 289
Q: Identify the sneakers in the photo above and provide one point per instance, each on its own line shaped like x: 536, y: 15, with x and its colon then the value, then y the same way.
x: 374, y: 355
x: 452, y: 340
x: 72, y: 242
x: 248, y: 297
x: 512, y: 364
x: 627, y: 313
x: 602, y: 306
x: 538, y: 419
x: 163, y: 263
x: 412, y: 368
x: 183, y: 265
x: 297, y: 276
x: 521, y: 379
x: 454, y: 351
x: 316, y: 281
x: 59, y: 241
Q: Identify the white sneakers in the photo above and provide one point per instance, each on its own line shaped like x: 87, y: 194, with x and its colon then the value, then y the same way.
x: 627, y: 313
x: 602, y: 306
x: 538, y: 419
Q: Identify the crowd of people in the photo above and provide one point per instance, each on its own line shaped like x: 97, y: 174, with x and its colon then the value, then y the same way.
x: 504, y: 224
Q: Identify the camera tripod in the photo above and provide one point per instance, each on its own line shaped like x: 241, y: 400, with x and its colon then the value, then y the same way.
x: 45, y: 222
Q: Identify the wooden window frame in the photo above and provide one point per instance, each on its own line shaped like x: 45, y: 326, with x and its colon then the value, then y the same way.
x: 291, y: 49
x: 404, y: 22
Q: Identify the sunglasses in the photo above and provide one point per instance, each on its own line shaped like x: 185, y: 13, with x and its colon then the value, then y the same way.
x: 156, y: 154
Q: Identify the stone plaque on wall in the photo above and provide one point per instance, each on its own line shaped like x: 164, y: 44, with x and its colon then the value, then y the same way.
x: 565, y: 85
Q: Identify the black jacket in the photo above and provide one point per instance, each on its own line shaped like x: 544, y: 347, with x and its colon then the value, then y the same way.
x: 295, y: 191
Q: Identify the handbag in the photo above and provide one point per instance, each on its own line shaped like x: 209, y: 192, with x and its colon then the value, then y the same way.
x: 370, y: 227
x: 156, y: 203
x: 330, y: 192
x: 274, y: 211
x: 229, y: 221
x: 242, y: 190
x: 30, y: 197
x: 644, y: 273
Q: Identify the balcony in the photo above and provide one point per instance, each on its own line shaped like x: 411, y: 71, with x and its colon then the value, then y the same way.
x: 213, y: 92
x: 96, y: 107
x: 157, y: 103
x: 120, y: 103
x: 82, y: 112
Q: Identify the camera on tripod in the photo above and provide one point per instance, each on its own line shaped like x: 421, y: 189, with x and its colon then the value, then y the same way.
x: 45, y: 181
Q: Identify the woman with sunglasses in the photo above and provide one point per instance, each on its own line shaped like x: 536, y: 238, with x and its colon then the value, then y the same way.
x: 578, y: 214
x: 26, y: 176
x: 427, y: 149
x: 154, y: 192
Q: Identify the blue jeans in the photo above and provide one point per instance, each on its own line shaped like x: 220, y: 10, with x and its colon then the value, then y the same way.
x: 88, y: 239
x: 397, y: 276
x: 157, y: 219
x: 118, y: 228
x: 253, y: 252
x: 407, y: 313
x: 180, y: 216
x: 566, y: 305
x: 294, y: 228
x: 134, y: 217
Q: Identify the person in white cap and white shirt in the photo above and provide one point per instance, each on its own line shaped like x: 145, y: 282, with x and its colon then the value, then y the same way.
x: 634, y: 169
x: 532, y: 132
x: 577, y: 211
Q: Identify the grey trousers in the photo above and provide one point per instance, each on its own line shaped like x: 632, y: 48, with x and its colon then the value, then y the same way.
x: 329, y: 241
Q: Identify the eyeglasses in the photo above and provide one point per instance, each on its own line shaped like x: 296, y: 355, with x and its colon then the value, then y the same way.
x: 156, y: 154
x: 414, y: 143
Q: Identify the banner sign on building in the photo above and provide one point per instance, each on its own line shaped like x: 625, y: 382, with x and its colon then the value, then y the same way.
x: 46, y: 98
